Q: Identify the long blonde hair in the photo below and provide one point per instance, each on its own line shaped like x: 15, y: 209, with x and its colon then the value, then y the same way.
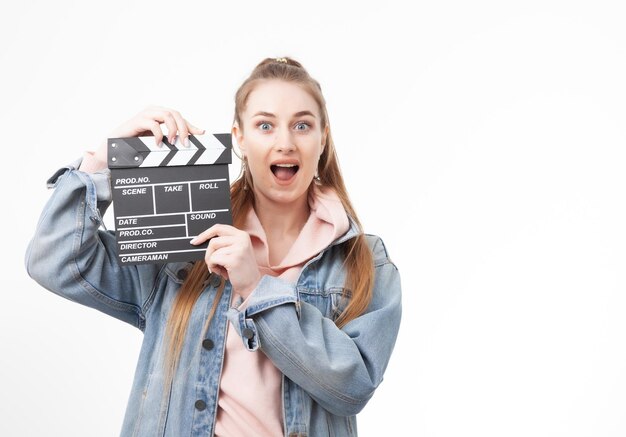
x: 358, y: 257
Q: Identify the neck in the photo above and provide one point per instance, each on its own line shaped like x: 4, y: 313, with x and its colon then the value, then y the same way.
x: 280, y: 219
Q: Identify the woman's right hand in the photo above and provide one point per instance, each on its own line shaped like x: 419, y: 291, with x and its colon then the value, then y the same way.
x: 147, y: 122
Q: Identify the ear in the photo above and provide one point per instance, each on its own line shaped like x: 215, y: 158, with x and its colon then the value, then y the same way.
x: 238, y: 134
x: 324, y: 137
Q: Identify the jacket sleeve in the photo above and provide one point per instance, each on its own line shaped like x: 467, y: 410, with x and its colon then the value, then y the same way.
x: 339, y: 368
x: 71, y: 257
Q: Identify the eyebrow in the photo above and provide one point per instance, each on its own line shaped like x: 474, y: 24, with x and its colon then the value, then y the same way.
x: 297, y: 114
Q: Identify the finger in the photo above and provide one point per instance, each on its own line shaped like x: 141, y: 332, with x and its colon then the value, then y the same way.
x: 163, y: 115
x: 215, y: 230
x: 203, y: 236
x: 221, y: 271
x: 138, y: 126
x: 181, y: 126
x: 217, y: 243
x: 154, y: 127
x: 220, y: 242
x: 170, y: 122
x: 194, y: 130
x: 218, y: 260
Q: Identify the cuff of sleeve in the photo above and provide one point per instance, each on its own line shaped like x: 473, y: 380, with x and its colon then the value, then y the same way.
x: 245, y: 327
x: 101, y: 179
x: 53, y: 180
x: 99, y: 173
x: 269, y: 293
x: 97, y: 185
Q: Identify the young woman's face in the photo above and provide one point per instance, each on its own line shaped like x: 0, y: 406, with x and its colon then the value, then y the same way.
x: 282, y: 139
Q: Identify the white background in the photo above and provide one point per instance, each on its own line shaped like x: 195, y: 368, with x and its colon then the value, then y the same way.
x: 483, y: 141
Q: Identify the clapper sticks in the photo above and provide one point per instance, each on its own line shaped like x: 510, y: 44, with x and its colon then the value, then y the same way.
x: 165, y: 196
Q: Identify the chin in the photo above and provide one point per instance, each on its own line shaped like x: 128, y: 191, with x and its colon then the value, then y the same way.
x: 285, y: 196
x: 288, y: 197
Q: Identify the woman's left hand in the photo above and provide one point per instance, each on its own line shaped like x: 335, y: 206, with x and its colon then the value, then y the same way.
x: 230, y: 254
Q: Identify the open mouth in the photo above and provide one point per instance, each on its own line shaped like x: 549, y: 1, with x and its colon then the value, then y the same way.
x: 284, y: 172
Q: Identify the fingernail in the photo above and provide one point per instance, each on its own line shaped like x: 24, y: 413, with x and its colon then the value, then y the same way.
x: 194, y: 240
x: 159, y: 144
x: 186, y: 142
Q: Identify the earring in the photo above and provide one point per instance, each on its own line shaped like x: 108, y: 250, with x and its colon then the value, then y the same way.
x: 317, y: 179
x: 245, y: 166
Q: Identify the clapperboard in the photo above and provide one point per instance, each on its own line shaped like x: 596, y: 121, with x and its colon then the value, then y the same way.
x: 165, y: 196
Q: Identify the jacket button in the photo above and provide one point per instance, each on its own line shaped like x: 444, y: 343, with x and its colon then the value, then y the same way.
x: 182, y: 274
x: 200, y: 405
x: 247, y: 333
x: 207, y: 343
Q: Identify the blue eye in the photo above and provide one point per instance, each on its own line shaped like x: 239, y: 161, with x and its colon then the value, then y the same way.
x: 302, y: 126
x: 264, y: 126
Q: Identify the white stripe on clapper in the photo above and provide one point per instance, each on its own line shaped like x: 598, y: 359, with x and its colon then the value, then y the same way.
x: 156, y: 155
x: 183, y: 154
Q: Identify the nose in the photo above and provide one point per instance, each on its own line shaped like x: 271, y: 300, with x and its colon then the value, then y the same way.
x: 285, y: 141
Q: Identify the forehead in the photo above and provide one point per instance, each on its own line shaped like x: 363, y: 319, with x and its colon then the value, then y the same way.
x: 280, y: 98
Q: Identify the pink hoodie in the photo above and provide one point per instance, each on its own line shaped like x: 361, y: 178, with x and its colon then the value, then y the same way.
x: 249, y: 401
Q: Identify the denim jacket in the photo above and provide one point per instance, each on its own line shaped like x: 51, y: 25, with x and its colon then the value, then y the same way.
x: 329, y: 374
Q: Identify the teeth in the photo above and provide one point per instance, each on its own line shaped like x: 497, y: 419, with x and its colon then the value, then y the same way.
x: 285, y: 165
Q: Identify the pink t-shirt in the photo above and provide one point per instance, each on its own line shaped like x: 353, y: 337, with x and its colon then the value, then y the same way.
x: 249, y: 401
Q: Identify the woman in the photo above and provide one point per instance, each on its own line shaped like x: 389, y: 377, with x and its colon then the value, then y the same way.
x: 287, y: 326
